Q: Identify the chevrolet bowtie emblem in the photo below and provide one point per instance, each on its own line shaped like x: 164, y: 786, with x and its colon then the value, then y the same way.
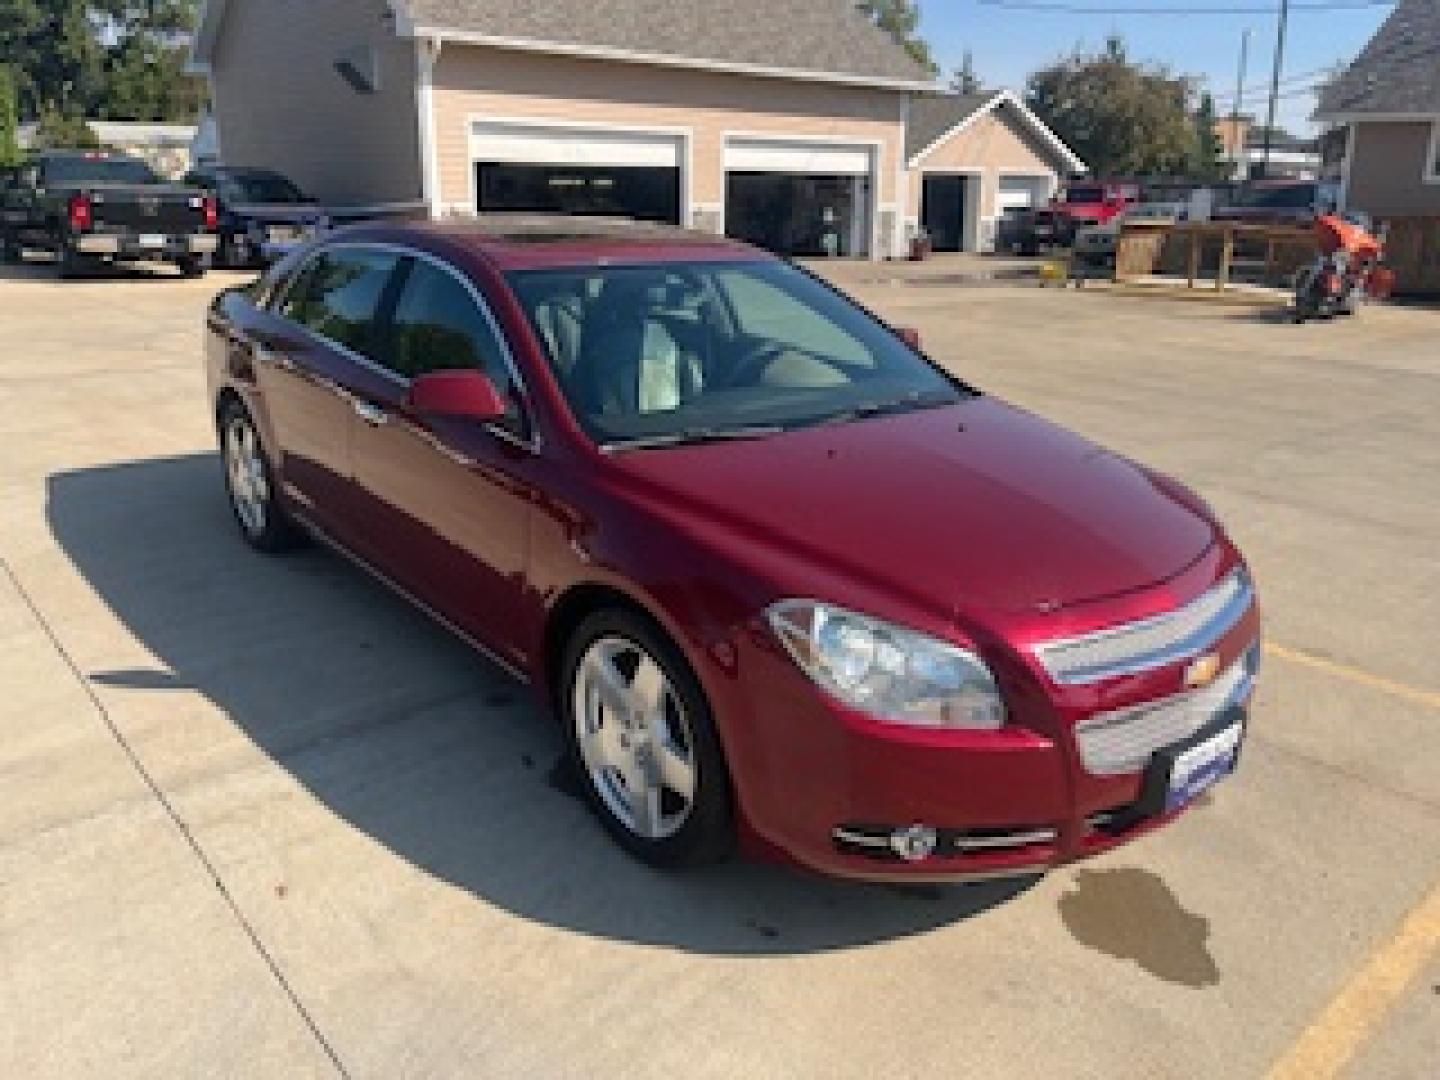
x: 1201, y: 673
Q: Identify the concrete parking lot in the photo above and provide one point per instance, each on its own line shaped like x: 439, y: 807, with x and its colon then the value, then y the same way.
x: 258, y: 818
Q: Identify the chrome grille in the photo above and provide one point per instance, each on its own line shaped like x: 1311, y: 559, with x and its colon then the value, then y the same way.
x: 1119, y: 742
x: 1150, y: 643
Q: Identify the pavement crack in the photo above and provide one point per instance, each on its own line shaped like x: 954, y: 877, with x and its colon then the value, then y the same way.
x: 209, y: 867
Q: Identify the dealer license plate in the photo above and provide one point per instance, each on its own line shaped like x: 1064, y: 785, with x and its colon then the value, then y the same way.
x: 1196, y: 769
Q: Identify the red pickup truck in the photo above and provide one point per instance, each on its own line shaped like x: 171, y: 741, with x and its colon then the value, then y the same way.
x: 1077, y: 206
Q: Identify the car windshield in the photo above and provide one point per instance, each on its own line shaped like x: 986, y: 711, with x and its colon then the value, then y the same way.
x: 258, y: 187
x: 1084, y: 195
x: 99, y: 171
x: 689, y: 351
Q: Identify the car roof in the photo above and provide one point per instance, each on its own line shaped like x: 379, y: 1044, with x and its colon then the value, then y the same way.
x: 531, y: 241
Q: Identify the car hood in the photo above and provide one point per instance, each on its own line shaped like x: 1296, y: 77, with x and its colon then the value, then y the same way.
x: 978, y: 505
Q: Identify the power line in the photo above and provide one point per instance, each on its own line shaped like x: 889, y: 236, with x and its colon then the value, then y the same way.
x: 1060, y: 7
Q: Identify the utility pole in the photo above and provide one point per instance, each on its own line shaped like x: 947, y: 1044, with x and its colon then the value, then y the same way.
x: 1275, y: 85
x: 1237, y: 141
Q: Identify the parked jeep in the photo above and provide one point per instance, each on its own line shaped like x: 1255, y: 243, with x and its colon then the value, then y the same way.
x: 1077, y: 206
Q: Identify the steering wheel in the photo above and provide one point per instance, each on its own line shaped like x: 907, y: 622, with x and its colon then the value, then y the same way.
x: 747, y: 369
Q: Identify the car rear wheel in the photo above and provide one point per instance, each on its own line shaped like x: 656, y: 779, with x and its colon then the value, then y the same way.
x: 250, y: 484
x: 643, y: 742
x: 192, y: 266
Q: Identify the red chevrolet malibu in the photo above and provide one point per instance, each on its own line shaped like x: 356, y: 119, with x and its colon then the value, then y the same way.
x: 781, y: 577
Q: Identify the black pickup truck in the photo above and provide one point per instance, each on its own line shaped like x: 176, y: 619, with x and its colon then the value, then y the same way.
x: 93, y: 206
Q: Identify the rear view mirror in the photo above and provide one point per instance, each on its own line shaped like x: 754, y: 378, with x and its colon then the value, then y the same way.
x: 910, y: 336
x: 462, y: 394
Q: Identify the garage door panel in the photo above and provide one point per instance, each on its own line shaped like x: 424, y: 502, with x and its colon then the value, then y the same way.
x: 539, y: 144
x: 777, y: 156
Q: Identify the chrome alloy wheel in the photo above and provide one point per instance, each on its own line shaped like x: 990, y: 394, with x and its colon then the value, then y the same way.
x: 245, y: 475
x: 634, y: 738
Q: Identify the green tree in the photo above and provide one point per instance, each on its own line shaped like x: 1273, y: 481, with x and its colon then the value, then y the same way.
x: 9, y: 120
x: 145, y: 63
x: 121, y: 59
x: 54, y: 48
x: 901, y: 20
x: 1208, y: 163
x: 58, y: 130
x: 1122, y: 118
x: 965, y: 81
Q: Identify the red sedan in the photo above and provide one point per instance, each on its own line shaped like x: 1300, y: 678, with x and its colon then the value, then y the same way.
x: 780, y: 577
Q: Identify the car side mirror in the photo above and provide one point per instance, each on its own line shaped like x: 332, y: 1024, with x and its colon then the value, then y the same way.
x: 461, y: 394
x: 910, y: 336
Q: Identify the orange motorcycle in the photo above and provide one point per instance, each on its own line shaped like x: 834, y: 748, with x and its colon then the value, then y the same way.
x: 1346, y: 271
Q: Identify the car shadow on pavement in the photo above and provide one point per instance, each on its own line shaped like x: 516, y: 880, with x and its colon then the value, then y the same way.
x: 406, y: 734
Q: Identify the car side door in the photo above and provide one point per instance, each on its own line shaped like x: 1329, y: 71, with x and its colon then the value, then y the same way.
x: 313, y: 359
x: 446, y: 502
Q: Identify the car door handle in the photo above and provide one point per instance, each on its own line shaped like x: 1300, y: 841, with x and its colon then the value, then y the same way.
x: 371, y: 413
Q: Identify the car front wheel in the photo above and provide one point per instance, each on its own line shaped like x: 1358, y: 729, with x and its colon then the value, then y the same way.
x: 250, y: 483
x: 642, y: 740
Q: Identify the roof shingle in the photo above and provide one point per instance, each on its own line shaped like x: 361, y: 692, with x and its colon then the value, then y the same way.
x: 931, y: 117
x: 1397, y: 72
x: 829, y: 36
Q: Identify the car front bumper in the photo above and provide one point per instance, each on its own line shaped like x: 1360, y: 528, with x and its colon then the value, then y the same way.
x: 831, y: 788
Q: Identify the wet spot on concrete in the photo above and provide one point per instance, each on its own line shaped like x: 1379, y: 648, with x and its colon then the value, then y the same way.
x: 1132, y: 915
x: 527, y: 760
x: 765, y: 930
x: 562, y: 778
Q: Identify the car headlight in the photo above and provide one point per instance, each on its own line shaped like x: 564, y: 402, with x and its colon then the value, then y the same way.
x: 893, y: 674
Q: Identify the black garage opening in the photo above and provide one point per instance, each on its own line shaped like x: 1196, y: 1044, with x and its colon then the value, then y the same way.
x: 942, y: 211
x: 797, y: 215
x: 643, y: 192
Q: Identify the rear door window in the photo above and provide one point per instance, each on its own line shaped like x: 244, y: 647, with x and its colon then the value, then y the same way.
x: 338, y: 295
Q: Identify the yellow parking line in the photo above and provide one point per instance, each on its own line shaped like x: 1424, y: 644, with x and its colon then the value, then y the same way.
x: 1344, y: 671
x: 1347, y: 1023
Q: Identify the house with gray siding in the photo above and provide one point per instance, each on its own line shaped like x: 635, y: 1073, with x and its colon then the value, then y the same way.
x: 1388, y: 102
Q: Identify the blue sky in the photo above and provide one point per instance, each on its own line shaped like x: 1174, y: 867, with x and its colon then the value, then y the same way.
x: 1008, y: 45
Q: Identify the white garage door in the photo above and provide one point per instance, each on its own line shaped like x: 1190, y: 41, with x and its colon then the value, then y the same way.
x: 544, y: 145
x: 1022, y: 192
x: 798, y: 157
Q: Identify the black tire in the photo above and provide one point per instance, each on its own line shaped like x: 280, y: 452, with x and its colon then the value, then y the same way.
x: 11, y: 253
x: 708, y: 833
x: 192, y: 266
x: 274, y: 531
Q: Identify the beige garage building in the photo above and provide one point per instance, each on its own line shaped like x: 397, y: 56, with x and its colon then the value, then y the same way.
x: 971, y: 158
x: 784, y: 122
